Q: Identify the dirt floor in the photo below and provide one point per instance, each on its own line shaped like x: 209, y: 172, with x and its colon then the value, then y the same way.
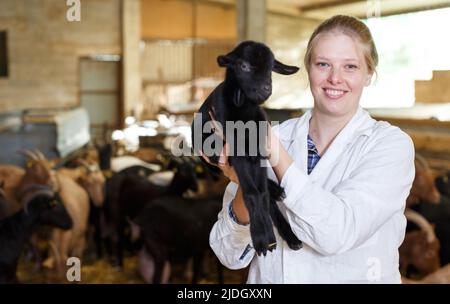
x: 101, y: 271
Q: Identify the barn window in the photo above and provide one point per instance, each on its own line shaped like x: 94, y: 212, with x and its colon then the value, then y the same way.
x: 413, y: 51
x: 3, y: 55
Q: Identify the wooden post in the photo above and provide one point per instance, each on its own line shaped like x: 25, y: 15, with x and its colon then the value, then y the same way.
x: 131, y: 37
x: 251, y: 20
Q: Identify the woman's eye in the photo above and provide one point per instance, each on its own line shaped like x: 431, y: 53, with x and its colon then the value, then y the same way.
x: 322, y: 64
x: 351, y: 66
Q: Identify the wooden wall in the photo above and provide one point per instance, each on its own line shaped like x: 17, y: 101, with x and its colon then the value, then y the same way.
x: 181, y: 19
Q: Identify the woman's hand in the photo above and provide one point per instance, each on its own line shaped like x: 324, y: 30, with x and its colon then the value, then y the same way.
x: 279, y: 159
x: 223, y: 163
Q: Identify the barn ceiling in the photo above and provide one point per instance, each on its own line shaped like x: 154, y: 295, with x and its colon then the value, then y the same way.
x: 322, y: 9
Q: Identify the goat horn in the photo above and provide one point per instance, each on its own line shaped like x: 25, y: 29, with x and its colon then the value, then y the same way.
x: 28, y: 154
x: 39, y: 154
x: 422, y: 222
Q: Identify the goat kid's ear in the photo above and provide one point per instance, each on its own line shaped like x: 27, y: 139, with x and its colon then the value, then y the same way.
x: 284, y: 69
x: 238, y: 98
x: 224, y: 61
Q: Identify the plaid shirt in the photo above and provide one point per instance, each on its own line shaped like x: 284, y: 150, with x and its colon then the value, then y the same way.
x: 313, y: 155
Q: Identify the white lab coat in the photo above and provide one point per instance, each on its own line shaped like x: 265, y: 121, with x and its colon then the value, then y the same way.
x: 349, y: 212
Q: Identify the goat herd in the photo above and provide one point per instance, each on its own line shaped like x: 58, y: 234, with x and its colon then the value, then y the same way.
x: 161, y: 212
x: 425, y: 252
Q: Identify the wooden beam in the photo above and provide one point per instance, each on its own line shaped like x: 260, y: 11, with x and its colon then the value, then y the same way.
x: 330, y: 4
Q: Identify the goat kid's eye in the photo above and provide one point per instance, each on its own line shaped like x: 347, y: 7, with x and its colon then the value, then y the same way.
x: 245, y: 67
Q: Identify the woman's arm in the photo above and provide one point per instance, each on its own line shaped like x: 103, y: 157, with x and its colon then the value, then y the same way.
x: 337, y: 220
x: 230, y: 239
x: 279, y: 159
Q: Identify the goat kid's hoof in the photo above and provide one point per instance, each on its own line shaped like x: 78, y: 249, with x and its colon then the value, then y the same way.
x: 263, y: 252
x: 296, y: 246
x: 260, y: 248
x: 272, y: 246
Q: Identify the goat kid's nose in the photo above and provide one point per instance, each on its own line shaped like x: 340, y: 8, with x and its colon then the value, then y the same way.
x: 267, y: 87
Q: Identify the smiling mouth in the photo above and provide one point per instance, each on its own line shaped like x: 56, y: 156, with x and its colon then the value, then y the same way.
x: 333, y: 93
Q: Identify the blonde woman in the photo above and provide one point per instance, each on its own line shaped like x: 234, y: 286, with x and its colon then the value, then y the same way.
x: 346, y: 177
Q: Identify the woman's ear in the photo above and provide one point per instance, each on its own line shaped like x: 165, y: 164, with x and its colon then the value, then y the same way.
x: 368, y: 80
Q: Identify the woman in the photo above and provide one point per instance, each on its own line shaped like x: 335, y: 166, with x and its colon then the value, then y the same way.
x: 346, y: 177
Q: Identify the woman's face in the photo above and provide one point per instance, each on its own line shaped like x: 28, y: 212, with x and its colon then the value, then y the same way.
x: 338, y: 73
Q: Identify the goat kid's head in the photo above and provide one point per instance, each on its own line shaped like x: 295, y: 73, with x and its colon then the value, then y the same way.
x: 250, y: 66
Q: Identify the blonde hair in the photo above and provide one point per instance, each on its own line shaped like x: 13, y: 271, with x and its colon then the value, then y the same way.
x: 350, y: 26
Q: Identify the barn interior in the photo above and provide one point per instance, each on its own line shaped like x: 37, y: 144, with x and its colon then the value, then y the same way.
x: 95, y: 95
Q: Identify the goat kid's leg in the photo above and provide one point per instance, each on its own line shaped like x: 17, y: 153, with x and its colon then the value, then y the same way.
x: 252, y: 179
x: 283, y: 227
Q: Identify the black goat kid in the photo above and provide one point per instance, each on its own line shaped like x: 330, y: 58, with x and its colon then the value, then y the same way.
x: 247, y: 85
x: 16, y: 230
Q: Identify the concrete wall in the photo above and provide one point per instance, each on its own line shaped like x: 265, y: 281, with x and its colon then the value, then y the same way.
x: 44, y: 49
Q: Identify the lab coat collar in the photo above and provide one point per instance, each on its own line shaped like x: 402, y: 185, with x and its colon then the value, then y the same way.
x: 360, y: 124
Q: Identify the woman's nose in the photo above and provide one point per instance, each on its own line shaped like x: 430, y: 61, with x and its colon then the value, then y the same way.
x: 335, y: 76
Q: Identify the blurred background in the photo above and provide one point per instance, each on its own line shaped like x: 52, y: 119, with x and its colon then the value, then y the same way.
x: 94, y: 93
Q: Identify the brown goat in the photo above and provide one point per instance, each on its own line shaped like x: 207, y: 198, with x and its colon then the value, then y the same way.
x: 420, y: 248
x: 20, y: 185
x: 76, y: 187
x: 90, y: 177
x: 440, y: 276
x: 423, y: 187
